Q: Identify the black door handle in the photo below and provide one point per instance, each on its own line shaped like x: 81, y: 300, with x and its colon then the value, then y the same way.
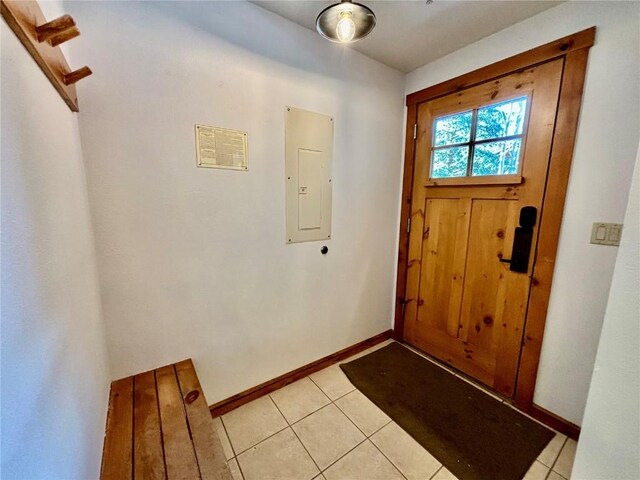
x: 522, y: 239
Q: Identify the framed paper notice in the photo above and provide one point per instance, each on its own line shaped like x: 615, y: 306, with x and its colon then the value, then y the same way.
x: 221, y: 148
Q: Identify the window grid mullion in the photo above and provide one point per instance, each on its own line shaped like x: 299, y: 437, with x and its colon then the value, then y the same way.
x: 479, y: 142
x: 499, y: 139
x: 453, y: 145
x: 472, y: 140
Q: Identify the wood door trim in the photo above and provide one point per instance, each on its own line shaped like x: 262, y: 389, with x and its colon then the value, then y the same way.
x: 558, y: 48
x: 564, y: 135
x: 574, y: 50
x: 405, y: 213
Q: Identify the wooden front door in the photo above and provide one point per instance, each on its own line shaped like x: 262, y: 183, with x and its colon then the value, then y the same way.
x: 481, y: 156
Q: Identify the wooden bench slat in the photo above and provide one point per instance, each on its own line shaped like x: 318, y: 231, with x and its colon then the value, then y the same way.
x: 159, y: 427
x: 118, y: 448
x: 148, y: 455
x: 180, y: 458
x: 206, y: 442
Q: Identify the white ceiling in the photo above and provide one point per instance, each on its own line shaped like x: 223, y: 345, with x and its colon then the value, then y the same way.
x: 410, y: 34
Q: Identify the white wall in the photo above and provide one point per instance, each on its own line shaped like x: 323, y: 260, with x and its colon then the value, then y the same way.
x: 193, y: 262
x: 598, y: 187
x: 55, y: 376
x: 609, y: 447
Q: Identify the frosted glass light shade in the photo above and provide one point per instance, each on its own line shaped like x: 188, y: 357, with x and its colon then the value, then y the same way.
x: 345, y: 22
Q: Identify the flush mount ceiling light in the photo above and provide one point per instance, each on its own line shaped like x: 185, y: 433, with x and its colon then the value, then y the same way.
x: 345, y: 22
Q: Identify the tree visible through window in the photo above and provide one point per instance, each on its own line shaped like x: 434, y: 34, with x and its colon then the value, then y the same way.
x: 483, y: 141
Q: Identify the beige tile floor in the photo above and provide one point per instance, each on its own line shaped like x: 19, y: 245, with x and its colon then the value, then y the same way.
x: 322, y: 427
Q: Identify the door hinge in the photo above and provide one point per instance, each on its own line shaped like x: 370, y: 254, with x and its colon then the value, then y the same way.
x: 415, y: 131
x: 404, y: 304
x: 409, y: 225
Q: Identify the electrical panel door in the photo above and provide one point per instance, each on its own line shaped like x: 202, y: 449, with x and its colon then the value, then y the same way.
x: 309, y: 151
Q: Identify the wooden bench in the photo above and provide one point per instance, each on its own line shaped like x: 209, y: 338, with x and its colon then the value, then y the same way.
x: 159, y: 427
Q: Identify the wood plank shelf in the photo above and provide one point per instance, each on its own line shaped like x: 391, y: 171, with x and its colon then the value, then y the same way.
x: 42, y: 40
x: 159, y: 427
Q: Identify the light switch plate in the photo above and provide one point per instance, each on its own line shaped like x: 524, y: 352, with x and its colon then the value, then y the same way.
x: 606, y: 233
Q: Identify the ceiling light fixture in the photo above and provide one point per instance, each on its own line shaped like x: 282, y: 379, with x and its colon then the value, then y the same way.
x: 345, y: 22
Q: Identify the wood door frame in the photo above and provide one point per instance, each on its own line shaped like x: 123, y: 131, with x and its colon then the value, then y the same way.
x: 574, y: 50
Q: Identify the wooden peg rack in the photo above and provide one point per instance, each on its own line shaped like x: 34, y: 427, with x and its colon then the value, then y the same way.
x: 42, y: 39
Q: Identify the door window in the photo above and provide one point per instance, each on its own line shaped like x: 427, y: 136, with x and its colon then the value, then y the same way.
x: 480, y: 142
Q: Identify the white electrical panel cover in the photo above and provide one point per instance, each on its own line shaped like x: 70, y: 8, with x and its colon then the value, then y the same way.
x: 308, y: 156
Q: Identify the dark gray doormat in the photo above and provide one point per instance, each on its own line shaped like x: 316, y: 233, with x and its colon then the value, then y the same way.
x: 472, y: 434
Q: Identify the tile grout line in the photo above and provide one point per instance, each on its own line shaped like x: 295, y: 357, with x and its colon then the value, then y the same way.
x: 235, y: 455
x: 275, y: 433
x: 261, y: 441
x: 239, y: 467
x: 352, y: 422
x: 233, y: 450
x: 557, y: 457
x: 289, y: 425
x: 388, y: 459
x: 308, y: 377
x: 553, y: 464
x: 368, y: 437
x: 349, y: 418
x: 389, y: 422
x: 307, y: 415
x: 385, y: 455
x: 436, y: 472
x: 224, y: 427
x: 331, y: 402
x: 296, y: 435
x: 319, y: 388
x: 344, y: 455
x: 338, y: 398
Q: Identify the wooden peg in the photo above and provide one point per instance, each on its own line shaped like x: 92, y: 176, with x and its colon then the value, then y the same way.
x: 64, y: 36
x: 54, y: 27
x: 23, y: 17
x: 73, y: 77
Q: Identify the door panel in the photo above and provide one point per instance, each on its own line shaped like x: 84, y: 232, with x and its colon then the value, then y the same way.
x: 310, y: 182
x: 485, y: 285
x: 463, y: 304
x: 438, y: 252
